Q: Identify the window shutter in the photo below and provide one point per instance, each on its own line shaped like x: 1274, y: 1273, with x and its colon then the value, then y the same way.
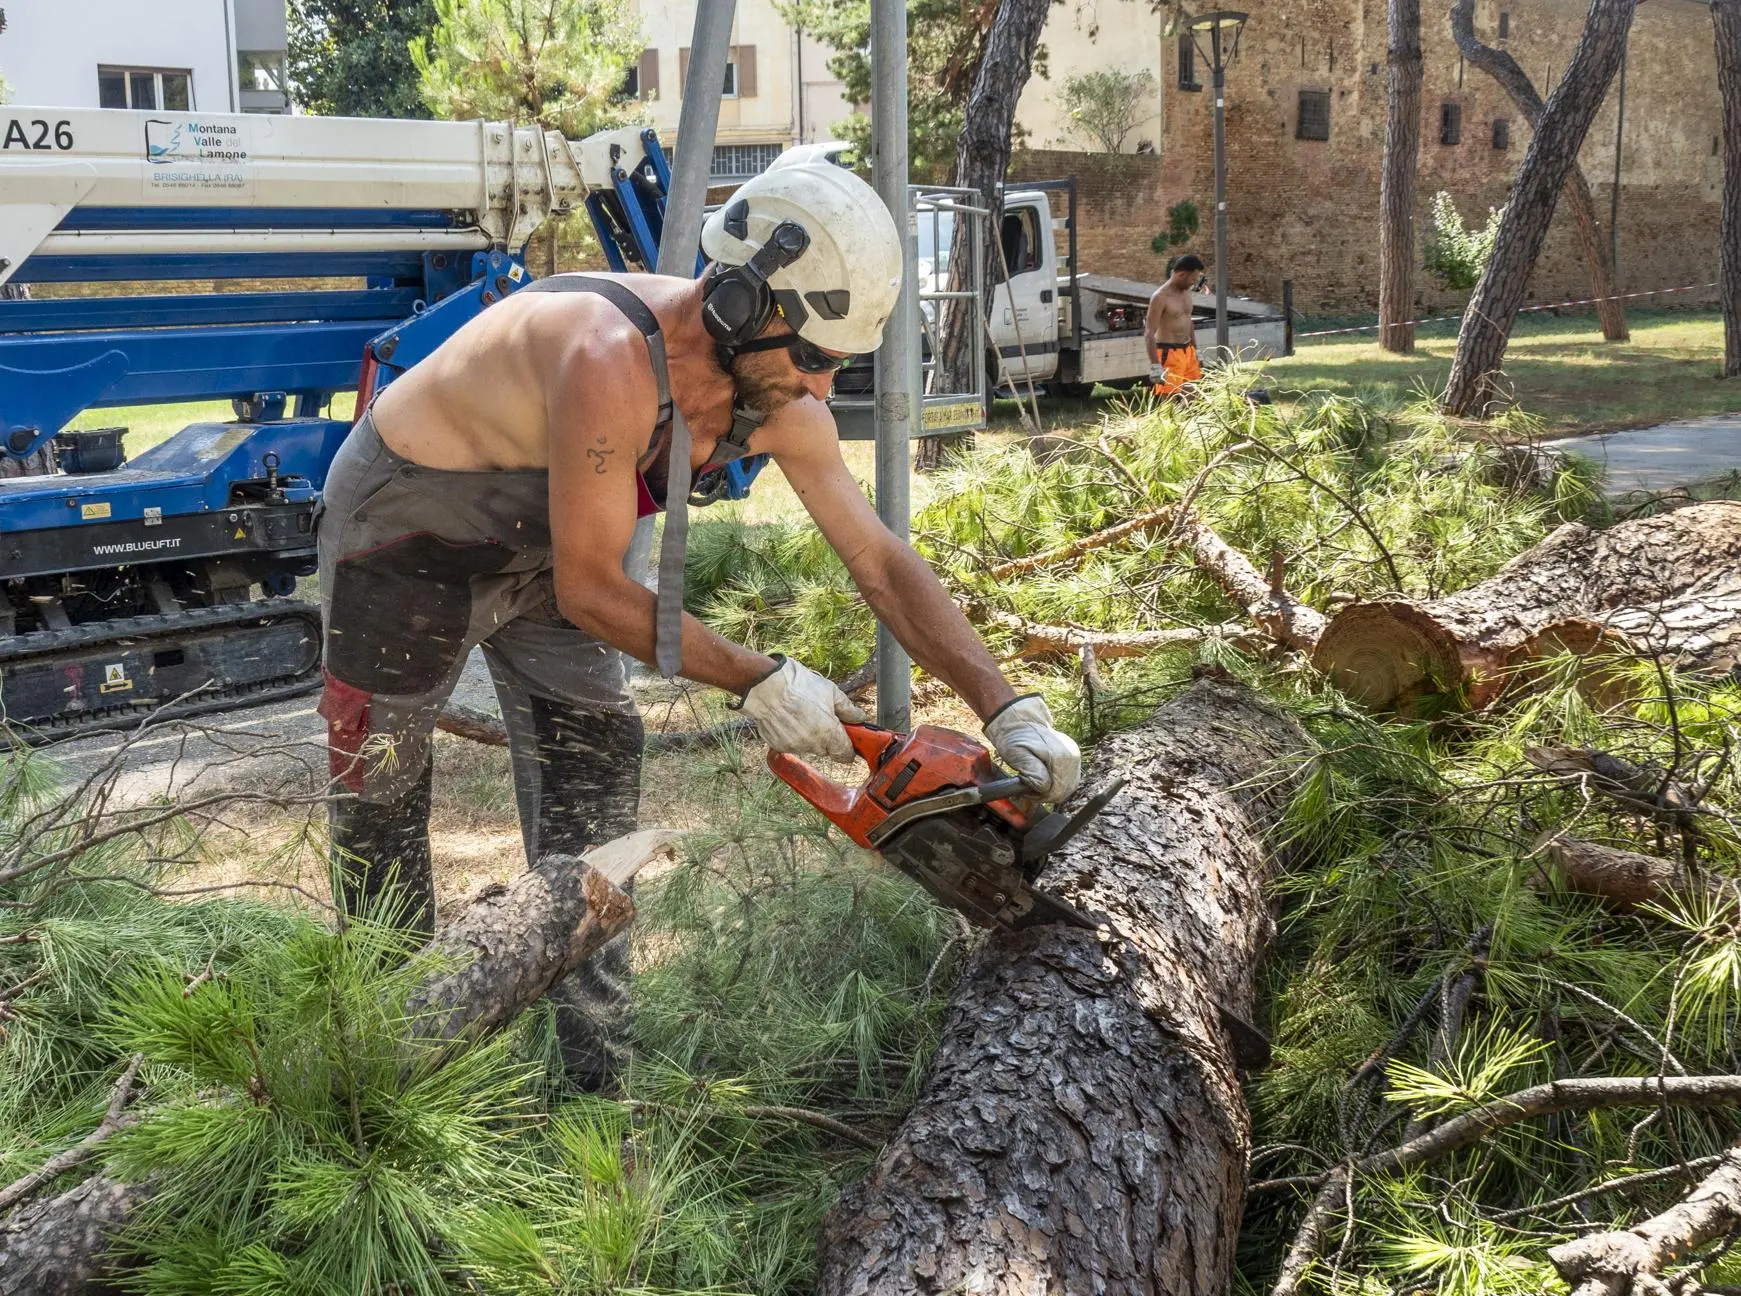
x: 649, y: 74
x: 682, y: 69
x: 745, y: 57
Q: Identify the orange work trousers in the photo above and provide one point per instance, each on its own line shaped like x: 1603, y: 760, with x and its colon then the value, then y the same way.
x: 1179, y: 368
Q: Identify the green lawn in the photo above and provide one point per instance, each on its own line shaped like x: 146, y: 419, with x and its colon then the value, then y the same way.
x: 1561, y: 369
x: 150, y: 425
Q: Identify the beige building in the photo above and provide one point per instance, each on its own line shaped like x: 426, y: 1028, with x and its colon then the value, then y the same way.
x: 777, y: 92
x: 1090, y: 36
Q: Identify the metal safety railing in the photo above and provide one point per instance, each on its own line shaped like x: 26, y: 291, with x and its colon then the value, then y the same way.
x: 946, y: 213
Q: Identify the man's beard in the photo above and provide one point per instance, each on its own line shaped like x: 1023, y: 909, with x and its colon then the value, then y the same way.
x: 762, y: 391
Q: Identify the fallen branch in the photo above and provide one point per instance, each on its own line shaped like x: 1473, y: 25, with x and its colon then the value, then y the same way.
x: 81, y: 1151
x: 1309, y: 1237
x: 1044, y: 639
x: 1602, y: 1093
x: 1276, y: 612
x: 1642, y: 790
x: 1622, y: 879
x: 1149, y: 521
x: 1629, y: 1261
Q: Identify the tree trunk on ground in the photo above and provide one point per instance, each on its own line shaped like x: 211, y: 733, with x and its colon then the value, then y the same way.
x: 1396, y: 190
x: 981, y: 159
x: 1553, y: 153
x: 1726, y: 23
x: 508, y: 948
x: 1609, y: 1264
x: 1666, y: 585
x: 1082, y: 1127
x: 1512, y: 79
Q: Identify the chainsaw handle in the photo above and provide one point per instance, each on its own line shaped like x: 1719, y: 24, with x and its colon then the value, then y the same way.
x: 836, y: 803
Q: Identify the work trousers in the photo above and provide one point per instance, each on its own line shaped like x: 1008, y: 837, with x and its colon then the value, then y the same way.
x: 417, y: 567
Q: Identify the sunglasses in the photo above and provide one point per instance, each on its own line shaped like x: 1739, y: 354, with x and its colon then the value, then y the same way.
x: 807, y: 357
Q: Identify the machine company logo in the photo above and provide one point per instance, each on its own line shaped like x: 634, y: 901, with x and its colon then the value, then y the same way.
x: 213, y: 143
x: 188, y: 153
x: 162, y: 141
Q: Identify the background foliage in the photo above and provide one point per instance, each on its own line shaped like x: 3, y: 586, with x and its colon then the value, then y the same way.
x: 352, y: 58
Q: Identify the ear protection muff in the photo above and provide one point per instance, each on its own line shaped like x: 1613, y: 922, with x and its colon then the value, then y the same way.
x: 736, y: 303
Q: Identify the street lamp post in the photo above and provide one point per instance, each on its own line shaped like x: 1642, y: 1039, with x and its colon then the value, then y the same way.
x: 1222, y: 28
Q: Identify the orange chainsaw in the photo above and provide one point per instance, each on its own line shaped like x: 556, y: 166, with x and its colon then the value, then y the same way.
x: 938, y: 808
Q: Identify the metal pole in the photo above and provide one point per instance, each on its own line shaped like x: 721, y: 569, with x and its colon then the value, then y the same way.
x: 709, y: 52
x: 1220, y: 78
x: 898, y: 384
x: 1614, y: 198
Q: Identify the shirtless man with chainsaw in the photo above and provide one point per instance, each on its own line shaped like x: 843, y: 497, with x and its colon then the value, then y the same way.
x: 1168, y: 330
x: 489, y: 496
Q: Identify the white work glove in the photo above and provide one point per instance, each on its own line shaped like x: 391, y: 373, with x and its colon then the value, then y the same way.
x: 798, y: 711
x: 1047, y: 761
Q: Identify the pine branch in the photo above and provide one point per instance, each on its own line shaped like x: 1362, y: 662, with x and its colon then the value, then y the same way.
x: 1596, y: 1094
x: 81, y: 1151
x: 1149, y: 521
x: 1044, y: 639
x: 1614, y: 1264
x: 801, y: 1115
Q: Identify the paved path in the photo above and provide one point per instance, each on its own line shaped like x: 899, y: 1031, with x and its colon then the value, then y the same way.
x: 274, y: 743
x: 1663, y: 457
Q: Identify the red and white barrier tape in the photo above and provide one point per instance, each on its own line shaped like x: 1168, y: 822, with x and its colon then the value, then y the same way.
x: 1441, y: 319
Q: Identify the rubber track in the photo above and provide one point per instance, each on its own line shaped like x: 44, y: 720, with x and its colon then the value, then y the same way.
x: 40, y: 644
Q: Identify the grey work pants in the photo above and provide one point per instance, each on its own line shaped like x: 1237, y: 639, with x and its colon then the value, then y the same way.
x: 417, y: 567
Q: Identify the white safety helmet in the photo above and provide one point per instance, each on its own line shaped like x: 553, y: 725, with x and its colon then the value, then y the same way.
x: 840, y: 291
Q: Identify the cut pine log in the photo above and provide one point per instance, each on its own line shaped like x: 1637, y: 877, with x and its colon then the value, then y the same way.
x: 1082, y: 1127
x: 1664, y: 585
x: 497, y: 960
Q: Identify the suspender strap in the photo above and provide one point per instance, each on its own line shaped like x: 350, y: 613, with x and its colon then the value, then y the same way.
x: 636, y: 311
x: 668, y: 612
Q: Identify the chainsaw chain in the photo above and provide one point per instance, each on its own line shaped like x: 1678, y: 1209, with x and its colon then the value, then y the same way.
x: 38, y: 644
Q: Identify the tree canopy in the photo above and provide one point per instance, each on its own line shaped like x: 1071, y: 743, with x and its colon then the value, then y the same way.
x: 352, y: 58
x: 559, y: 63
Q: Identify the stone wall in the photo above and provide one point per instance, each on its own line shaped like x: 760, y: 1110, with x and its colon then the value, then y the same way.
x: 1307, y: 210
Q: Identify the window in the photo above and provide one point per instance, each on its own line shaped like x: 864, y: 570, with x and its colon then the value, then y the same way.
x: 147, y: 88
x: 1504, y: 25
x: 1188, y: 65
x: 1314, y: 120
x: 1450, y: 123
x: 740, y: 71
x: 641, y: 81
x: 1501, y: 134
x: 256, y: 70
x: 741, y: 161
x: 1020, y: 237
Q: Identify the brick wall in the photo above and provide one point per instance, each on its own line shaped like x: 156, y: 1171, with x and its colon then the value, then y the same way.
x: 1307, y: 210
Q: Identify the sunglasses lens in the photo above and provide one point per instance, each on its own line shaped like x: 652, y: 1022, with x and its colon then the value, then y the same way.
x: 813, y: 359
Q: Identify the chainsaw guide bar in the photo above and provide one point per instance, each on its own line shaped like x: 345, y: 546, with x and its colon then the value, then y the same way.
x: 938, y: 808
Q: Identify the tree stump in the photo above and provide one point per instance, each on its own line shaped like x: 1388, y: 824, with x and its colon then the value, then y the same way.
x: 1667, y: 585
x: 1082, y: 1127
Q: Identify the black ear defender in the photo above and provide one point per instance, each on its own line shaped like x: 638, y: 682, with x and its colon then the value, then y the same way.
x: 736, y: 303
